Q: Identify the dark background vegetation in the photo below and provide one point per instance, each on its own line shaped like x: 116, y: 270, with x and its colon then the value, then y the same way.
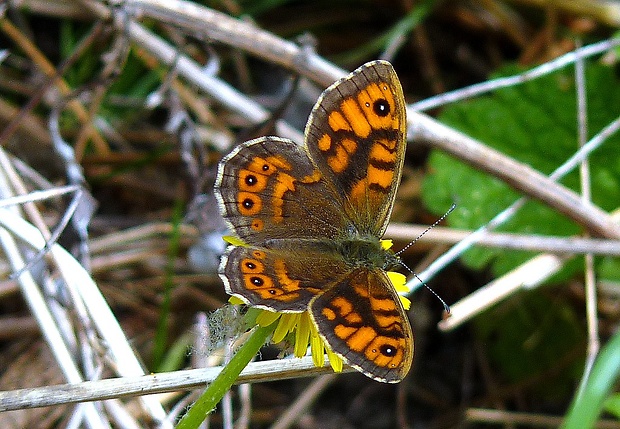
x: 524, y: 355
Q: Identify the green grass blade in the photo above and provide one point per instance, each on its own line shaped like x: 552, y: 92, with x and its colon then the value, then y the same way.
x: 587, y: 406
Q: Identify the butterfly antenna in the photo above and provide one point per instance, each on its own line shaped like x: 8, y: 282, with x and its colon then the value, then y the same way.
x: 446, y: 307
x: 411, y: 243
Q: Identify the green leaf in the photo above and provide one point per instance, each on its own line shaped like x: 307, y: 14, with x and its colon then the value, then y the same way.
x: 609, y: 269
x: 536, y: 124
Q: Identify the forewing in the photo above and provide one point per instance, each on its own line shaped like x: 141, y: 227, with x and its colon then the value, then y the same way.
x: 268, y: 189
x: 356, y: 137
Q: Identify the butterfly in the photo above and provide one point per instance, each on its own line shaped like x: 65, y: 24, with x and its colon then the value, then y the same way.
x: 312, y: 217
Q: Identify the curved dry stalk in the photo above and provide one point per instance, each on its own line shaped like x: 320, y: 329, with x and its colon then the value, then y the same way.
x: 87, y: 300
x: 516, y: 174
x: 46, y: 321
x: 506, y: 82
x: 594, y: 341
x: 243, y: 35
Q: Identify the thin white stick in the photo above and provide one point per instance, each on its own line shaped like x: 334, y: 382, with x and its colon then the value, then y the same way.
x: 279, y: 369
x: 573, y: 245
x: 586, y: 196
x: 38, y: 195
x: 536, y: 72
x: 527, y: 275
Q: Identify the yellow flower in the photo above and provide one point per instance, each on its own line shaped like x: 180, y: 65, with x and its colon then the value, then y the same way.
x: 305, y: 333
x: 399, y: 281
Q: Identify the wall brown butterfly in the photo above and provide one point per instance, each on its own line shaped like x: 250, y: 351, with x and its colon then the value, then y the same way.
x: 312, y: 218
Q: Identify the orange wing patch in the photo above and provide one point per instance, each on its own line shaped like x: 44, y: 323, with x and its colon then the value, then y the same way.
x: 352, y: 111
x: 339, y: 161
x: 361, y: 338
x: 338, y: 122
x: 377, y: 102
x: 386, y: 352
x: 380, y: 177
x: 255, y: 178
x: 284, y: 183
x: 257, y: 280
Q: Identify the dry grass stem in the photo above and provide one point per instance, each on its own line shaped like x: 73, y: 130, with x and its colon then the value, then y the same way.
x: 128, y: 386
x: 536, y: 243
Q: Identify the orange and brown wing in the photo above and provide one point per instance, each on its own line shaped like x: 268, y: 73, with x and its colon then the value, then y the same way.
x: 268, y: 189
x: 356, y: 137
x: 283, y: 280
x: 362, y: 319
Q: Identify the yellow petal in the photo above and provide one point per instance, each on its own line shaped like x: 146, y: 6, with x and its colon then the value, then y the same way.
x: 234, y: 300
x: 406, y: 302
x: 295, y: 318
x: 302, y: 335
x: 285, y: 325
x: 266, y: 318
x: 398, y: 280
x: 334, y: 360
x: 235, y: 241
x: 386, y: 244
x: 317, y: 347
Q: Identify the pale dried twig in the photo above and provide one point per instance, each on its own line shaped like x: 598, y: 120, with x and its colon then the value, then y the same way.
x: 459, y: 248
x: 156, y: 383
x: 586, y: 195
x: 528, y: 275
x: 535, y: 243
x: 505, y: 82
